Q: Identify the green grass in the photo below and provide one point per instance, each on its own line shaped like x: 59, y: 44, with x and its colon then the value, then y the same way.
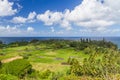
x: 44, y: 58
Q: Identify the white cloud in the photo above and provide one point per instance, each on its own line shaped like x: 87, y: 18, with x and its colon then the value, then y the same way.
x: 65, y: 24
x: 6, y: 8
x: 30, y: 18
x: 92, y: 14
x: 95, y: 23
x: 7, y: 30
x: 31, y: 15
x: 30, y: 29
x: 114, y: 4
x: 50, y: 18
x: 19, y: 20
x: 16, y: 31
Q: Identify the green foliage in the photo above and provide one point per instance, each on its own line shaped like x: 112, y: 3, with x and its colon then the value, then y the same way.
x: 18, y: 68
x: 72, y: 61
x: 0, y: 64
x: 34, y: 41
x: 18, y: 43
x: 58, y: 44
x: 45, y: 74
x: 87, y: 50
x: 1, y: 42
x: 25, y: 56
x: 7, y: 77
x: 41, y: 53
x: 57, y: 76
x: 33, y: 76
x: 71, y: 77
x: 1, y: 54
x: 95, y: 67
x: 2, y: 45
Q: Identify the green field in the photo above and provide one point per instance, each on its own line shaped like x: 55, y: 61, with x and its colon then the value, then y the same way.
x: 44, y: 58
x: 60, y: 60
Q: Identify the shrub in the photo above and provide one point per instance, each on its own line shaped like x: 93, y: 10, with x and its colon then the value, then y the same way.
x: 26, y: 56
x: 87, y: 50
x: 45, y: 74
x: 104, y: 68
x: 72, y: 61
x: 18, y: 68
x: 56, y: 76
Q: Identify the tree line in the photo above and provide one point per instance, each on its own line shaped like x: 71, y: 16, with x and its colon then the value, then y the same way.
x: 61, y: 43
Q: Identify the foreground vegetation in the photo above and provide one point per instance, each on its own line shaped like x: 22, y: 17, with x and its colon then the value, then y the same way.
x: 84, y: 59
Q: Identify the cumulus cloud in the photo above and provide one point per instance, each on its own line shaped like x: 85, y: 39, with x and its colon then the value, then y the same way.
x: 15, y: 31
x: 30, y: 18
x: 92, y: 14
x: 19, y: 20
x: 65, y: 24
x: 7, y: 30
x: 6, y: 8
x: 30, y: 29
x: 50, y: 18
x: 31, y: 15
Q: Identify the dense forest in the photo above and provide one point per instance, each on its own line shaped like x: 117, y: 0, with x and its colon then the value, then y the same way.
x: 53, y: 59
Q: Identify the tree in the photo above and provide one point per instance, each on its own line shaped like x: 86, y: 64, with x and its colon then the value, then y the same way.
x: 1, y: 42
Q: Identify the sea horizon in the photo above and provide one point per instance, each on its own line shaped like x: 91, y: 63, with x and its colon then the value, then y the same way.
x: 115, y: 40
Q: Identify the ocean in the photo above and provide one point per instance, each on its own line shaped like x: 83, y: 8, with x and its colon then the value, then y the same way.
x: 115, y: 40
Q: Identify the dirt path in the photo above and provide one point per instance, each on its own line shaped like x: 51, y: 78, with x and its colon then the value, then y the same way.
x: 11, y: 59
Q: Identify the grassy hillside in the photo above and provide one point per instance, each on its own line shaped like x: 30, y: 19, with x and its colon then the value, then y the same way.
x: 58, y: 59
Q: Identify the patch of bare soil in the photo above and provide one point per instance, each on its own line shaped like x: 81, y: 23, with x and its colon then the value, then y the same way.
x: 11, y: 59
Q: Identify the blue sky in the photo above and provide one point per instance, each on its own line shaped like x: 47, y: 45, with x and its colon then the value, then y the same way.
x: 59, y: 18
